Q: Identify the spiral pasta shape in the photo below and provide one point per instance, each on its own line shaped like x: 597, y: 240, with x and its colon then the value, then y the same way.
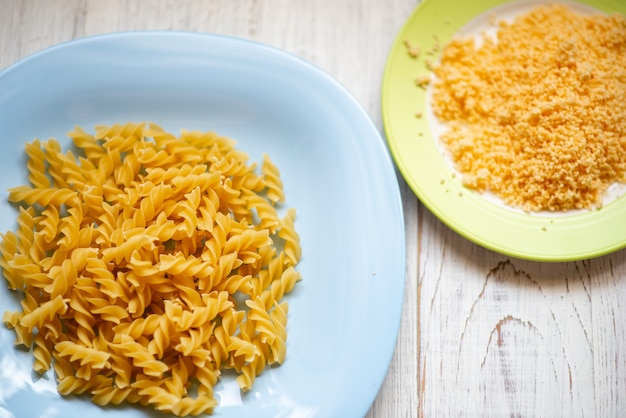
x: 43, y: 197
x: 87, y: 143
x: 54, y: 160
x: 36, y: 165
x: 272, y: 180
x: 148, y: 263
x: 288, y: 233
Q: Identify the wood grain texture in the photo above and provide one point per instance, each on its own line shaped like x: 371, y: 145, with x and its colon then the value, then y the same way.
x: 482, y: 335
x: 508, y: 337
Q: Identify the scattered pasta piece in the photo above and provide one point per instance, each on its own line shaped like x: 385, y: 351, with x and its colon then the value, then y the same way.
x: 149, y: 263
x: 538, y: 115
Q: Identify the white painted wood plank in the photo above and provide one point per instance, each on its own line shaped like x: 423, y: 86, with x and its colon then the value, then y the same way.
x: 506, y: 337
x: 608, y: 295
x: 27, y: 26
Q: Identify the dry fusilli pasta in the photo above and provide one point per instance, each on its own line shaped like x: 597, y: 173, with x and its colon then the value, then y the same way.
x: 148, y: 263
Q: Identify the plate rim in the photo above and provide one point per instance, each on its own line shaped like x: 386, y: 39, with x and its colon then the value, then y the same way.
x: 398, y: 58
x: 310, y: 68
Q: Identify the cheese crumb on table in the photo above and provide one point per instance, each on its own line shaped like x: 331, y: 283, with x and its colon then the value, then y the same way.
x: 537, y: 115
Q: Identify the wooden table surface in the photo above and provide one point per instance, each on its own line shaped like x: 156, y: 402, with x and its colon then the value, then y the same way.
x: 481, y: 334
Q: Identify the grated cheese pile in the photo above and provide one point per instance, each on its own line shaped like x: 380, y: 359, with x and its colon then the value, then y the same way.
x: 537, y: 115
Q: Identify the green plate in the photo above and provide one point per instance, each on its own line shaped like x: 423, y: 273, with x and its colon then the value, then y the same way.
x: 541, y: 237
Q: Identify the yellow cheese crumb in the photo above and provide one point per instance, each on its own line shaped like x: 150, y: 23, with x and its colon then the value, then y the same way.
x: 411, y: 49
x: 538, y: 114
x: 436, y: 45
x: 422, y: 81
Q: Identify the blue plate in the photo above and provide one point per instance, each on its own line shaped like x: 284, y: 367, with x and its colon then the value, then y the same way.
x: 345, y: 313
